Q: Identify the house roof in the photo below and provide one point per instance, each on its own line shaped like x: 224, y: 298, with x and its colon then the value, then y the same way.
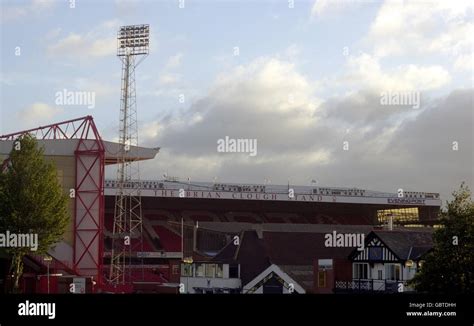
x: 227, y: 254
x: 299, y: 248
x: 250, y: 254
x: 294, y: 252
x: 407, y: 244
x: 302, y: 274
x: 261, y: 278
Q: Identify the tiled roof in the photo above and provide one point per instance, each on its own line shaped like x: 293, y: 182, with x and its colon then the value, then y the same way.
x: 252, y: 256
x: 294, y: 252
x: 226, y: 254
x: 302, y: 274
x: 407, y: 244
x: 299, y: 248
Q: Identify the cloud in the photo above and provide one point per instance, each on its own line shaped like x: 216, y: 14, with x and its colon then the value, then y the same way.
x: 76, y: 45
x: 421, y: 27
x: 244, y: 103
x: 465, y: 63
x: 101, y: 88
x: 168, y: 79
x: 100, y: 41
x: 302, y: 139
x: 365, y: 71
x: 321, y: 7
x: 11, y: 13
x: 174, y: 61
x: 37, y: 114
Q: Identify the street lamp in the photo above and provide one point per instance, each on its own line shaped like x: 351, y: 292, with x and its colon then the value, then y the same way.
x: 48, y: 260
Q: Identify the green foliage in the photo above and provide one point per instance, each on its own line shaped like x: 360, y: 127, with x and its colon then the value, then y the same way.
x: 31, y: 200
x: 449, y: 267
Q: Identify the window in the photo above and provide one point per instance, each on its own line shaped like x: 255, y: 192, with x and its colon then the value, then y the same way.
x: 325, y: 264
x: 175, y: 269
x: 272, y: 286
x: 219, y: 270
x: 321, y: 279
x: 361, y: 271
x: 210, y: 270
x: 392, y: 272
x: 398, y: 214
x: 186, y: 270
x: 375, y: 253
x: 199, y: 270
x: 379, y: 274
x: 233, y: 271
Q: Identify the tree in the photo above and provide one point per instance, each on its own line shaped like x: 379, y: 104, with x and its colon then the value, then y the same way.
x: 449, y: 267
x: 31, y: 202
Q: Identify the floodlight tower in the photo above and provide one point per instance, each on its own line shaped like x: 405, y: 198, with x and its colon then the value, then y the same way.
x: 132, y: 43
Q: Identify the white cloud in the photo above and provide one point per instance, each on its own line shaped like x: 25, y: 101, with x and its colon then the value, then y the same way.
x: 99, y: 41
x: 465, y: 62
x: 365, y: 71
x: 101, y: 88
x: 174, y: 61
x: 80, y: 46
x: 168, y: 78
x: 10, y: 13
x: 421, y: 27
x: 38, y: 113
x: 321, y: 7
x: 267, y: 90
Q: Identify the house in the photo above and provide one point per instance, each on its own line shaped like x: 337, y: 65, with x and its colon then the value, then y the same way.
x: 210, y: 277
x: 388, y: 261
x: 273, y: 259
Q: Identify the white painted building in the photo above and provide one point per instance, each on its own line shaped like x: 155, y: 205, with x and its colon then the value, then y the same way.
x: 389, y: 260
x: 210, y: 277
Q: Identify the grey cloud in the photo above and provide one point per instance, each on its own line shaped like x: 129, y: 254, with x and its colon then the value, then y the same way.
x: 389, y: 146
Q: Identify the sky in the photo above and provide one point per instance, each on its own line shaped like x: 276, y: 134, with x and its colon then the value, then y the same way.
x: 314, y: 83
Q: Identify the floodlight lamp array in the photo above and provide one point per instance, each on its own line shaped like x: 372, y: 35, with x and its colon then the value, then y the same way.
x: 133, y: 40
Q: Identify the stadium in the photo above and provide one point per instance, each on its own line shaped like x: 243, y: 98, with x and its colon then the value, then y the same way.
x: 169, y: 235
x: 164, y: 160
x: 190, y: 228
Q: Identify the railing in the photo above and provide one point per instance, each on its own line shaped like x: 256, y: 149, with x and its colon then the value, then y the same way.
x: 387, y: 286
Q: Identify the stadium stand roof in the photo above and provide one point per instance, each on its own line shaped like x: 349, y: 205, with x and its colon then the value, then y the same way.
x: 66, y: 147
